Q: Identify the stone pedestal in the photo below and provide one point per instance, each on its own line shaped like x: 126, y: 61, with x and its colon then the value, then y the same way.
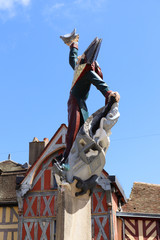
x: 73, y: 214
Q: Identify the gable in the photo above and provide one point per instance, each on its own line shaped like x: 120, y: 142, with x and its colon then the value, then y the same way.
x: 54, y: 147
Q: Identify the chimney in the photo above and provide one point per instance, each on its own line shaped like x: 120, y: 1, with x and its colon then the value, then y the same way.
x: 35, y: 149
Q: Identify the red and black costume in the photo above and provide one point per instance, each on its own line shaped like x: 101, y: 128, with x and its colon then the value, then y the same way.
x: 85, y: 75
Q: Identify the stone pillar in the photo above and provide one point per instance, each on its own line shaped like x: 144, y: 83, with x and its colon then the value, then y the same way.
x: 73, y: 214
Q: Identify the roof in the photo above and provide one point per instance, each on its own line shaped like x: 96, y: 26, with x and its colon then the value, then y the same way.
x: 10, y: 166
x: 8, y: 174
x: 57, y: 141
x: 119, y: 189
x: 8, y: 189
x: 144, y: 198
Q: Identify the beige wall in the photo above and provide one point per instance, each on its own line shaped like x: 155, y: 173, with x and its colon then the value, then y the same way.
x: 8, y: 223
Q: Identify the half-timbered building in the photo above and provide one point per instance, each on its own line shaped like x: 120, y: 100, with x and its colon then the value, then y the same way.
x: 9, y: 170
x: 140, y: 216
x: 37, y: 198
x: 113, y: 217
x: 38, y: 193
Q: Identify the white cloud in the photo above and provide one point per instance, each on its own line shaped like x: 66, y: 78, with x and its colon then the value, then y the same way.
x: 6, y: 4
x: 69, y: 8
x: 91, y: 5
x: 71, y: 11
x: 53, y: 10
x: 24, y: 2
x: 49, y: 10
x: 78, y: 2
x: 57, y: 6
x: 10, y: 4
x: 8, y: 7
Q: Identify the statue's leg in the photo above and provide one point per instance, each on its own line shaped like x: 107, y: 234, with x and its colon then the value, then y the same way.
x: 74, y: 119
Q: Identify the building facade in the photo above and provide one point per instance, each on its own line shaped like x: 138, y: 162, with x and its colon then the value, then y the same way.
x: 140, y: 216
x: 9, y: 170
x: 38, y: 198
x: 31, y: 212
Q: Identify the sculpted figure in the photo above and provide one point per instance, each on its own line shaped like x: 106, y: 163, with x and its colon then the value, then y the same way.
x: 87, y: 139
x: 86, y: 72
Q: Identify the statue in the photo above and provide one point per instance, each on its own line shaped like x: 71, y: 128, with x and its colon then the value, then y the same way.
x: 87, y: 139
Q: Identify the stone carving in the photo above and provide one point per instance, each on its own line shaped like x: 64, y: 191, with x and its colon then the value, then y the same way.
x: 87, y: 156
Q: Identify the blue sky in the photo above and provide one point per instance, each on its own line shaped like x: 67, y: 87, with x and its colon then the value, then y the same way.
x: 36, y: 77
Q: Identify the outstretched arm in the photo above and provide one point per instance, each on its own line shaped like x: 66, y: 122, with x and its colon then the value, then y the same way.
x: 98, y: 82
x: 73, y: 55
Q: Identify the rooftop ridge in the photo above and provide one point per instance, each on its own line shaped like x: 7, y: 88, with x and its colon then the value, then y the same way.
x: 143, y: 183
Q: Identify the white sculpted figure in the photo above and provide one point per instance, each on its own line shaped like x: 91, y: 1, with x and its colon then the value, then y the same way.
x: 87, y: 156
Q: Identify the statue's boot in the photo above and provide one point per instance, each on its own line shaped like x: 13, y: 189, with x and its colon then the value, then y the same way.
x: 69, y: 38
